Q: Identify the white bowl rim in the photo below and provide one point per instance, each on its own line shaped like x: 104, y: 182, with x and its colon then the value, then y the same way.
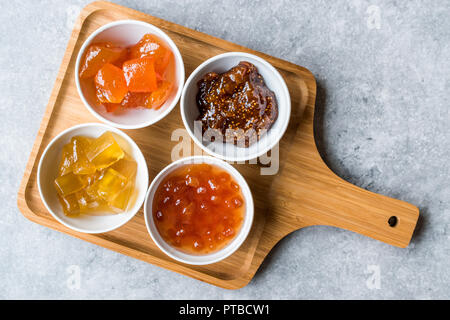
x: 245, y: 229
x: 275, y: 73
x: 54, y: 140
x: 176, y: 53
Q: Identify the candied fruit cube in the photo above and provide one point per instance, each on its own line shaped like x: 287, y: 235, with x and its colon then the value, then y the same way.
x: 110, y: 84
x: 140, y: 75
x: 126, y: 167
x: 70, y: 183
x: 82, y: 165
x: 67, y: 160
x: 69, y: 204
x: 111, y: 184
x: 158, y: 97
x: 122, y: 200
x: 104, y: 151
x: 91, y: 190
x: 97, y: 55
x: 92, y: 178
x: 151, y: 46
x: 89, y: 203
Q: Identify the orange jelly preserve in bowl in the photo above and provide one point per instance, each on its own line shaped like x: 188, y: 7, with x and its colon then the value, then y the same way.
x: 198, y: 208
x: 121, y: 78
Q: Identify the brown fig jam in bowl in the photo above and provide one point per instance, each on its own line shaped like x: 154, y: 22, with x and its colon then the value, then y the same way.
x: 199, y: 210
x: 235, y: 106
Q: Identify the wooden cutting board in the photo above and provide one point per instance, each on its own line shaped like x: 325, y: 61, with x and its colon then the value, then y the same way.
x: 303, y: 193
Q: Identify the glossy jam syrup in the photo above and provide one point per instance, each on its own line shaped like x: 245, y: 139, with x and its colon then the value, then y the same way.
x: 198, y: 208
x: 237, y: 103
x: 95, y: 176
x: 119, y: 78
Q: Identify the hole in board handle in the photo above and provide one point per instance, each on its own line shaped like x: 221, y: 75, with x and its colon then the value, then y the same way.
x: 392, y: 221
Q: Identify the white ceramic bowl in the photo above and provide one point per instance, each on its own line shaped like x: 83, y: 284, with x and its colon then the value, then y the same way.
x: 48, y: 170
x: 207, y: 258
x: 273, y: 80
x: 127, y: 33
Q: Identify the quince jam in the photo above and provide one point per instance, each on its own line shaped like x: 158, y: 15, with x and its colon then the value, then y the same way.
x: 237, y: 103
x: 198, y: 208
x: 95, y: 176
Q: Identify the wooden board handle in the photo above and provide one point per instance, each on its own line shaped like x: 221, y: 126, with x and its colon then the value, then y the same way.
x: 309, y: 193
x: 374, y: 215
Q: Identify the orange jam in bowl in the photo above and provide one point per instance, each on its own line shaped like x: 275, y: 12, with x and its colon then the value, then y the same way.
x: 121, y: 78
x: 199, y: 210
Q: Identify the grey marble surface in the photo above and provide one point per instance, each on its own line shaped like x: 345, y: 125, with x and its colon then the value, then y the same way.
x: 382, y: 69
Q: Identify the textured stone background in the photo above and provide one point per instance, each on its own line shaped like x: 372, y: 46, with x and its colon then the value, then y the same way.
x: 383, y: 124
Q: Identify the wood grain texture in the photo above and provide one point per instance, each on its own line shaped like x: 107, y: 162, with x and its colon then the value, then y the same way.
x: 305, y: 191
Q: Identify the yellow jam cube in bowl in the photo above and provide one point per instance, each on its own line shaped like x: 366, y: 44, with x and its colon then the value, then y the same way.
x: 81, y: 165
x: 126, y: 167
x: 111, y: 184
x: 122, y: 199
x: 104, y: 151
x: 70, y: 183
x: 70, y: 204
x: 92, y: 178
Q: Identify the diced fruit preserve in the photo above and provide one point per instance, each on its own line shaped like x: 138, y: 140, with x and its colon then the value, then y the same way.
x: 198, y: 208
x: 95, y: 176
x: 119, y: 78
